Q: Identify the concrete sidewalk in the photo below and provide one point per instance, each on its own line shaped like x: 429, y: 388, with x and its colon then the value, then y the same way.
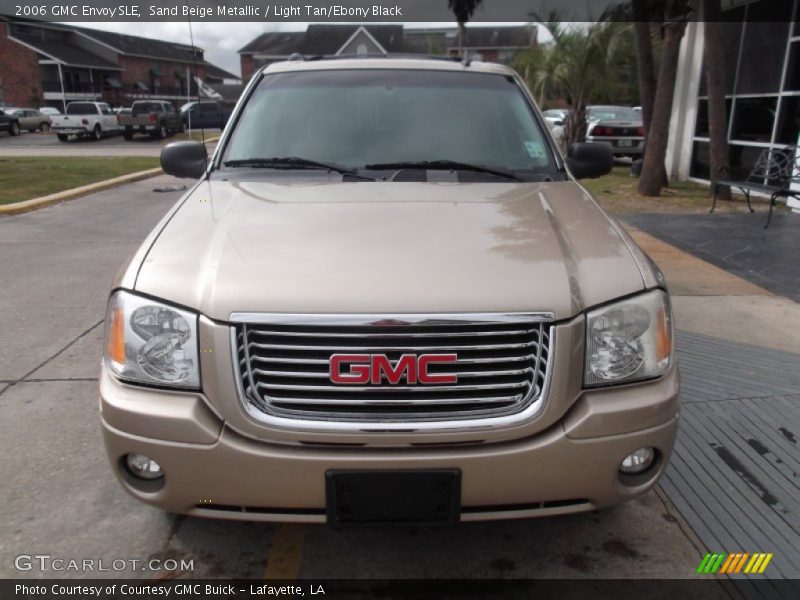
x: 733, y: 475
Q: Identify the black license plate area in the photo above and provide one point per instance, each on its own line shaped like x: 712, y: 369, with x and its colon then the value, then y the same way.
x: 400, y: 497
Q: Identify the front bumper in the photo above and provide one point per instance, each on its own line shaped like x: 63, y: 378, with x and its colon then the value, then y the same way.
x: 71, y: 130
x: 213, y: 470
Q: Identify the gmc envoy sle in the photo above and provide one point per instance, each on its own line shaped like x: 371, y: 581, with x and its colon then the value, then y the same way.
x: 387, y: 300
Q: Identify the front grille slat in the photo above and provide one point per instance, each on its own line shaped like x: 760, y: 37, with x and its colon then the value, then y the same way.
x: 388, y: 402
x: 501, y: 368
x: 409, y: 348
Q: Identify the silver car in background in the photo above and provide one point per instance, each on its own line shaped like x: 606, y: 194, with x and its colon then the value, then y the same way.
x: 619, y: 127
x: 32, y: 119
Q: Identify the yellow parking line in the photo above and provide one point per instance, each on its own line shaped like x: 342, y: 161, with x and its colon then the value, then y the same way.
x: 285, y: 553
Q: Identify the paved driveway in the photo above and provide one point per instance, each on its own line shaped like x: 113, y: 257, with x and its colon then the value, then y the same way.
x: 59, y: 496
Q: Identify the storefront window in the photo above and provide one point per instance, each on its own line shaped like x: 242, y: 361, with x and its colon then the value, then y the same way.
x: 789, y: 121
x: 762, y: 57
x: 753, y: 119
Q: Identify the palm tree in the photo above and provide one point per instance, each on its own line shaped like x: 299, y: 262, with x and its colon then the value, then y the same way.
x: 652, y: 177
x: 583, y: 65
x: 463, y: 10
x: 714, y: 55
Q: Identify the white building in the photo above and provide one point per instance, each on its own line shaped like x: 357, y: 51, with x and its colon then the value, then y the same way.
x: 762, y: 64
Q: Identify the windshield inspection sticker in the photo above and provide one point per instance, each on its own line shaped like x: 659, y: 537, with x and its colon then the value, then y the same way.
x: 535, y: 150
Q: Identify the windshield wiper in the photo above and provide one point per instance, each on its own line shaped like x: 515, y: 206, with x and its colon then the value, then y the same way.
x: 444, y: 165
x: 294, y: 162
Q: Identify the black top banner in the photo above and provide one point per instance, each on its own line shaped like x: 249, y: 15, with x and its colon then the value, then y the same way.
x: 385, y: 11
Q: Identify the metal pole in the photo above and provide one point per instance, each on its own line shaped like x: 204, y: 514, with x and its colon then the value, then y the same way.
x: 189, y: 99
x: 63, y: 95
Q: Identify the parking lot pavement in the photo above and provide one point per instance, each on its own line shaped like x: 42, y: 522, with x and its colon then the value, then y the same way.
x: 39, y: 144
x: 59, y: 496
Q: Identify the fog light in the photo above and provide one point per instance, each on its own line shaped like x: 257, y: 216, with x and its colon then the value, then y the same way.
x: 637, y: 461
x: 143, y: 467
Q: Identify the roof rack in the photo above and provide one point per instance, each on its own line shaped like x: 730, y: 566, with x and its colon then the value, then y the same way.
x: 406, y: 55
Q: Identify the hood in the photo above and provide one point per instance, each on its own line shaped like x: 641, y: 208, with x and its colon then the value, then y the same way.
x: 362, y: 247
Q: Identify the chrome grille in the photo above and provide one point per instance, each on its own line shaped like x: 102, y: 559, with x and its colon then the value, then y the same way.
x: 501, y: 369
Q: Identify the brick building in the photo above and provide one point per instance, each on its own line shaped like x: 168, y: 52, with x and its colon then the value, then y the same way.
x: 50, y: 64
x: 498, y: 44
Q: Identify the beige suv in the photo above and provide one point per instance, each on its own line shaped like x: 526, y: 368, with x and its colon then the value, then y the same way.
x: 387, y: 299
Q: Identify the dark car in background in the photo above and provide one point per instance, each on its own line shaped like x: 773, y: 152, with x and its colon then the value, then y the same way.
x: 619, y: 127
x: 9, y: 122
x: 206, y: 114
x: 156, y: 118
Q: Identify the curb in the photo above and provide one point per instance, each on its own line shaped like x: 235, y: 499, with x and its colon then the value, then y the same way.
x: 34, y: 203
x: 17, y: 208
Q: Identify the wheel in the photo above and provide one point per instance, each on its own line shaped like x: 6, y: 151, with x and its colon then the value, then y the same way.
x: 13, y: 128
x: 97, y: 133
x: 127, y: 135
x: 162, y: 132
x: 62, y: 137
x: 44, y: 127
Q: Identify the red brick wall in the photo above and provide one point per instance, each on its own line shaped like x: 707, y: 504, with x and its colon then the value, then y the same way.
x: 247, y: 67
x: 19, y: 73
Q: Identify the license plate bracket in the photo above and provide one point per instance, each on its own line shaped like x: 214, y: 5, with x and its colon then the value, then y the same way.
x: 393, y: 497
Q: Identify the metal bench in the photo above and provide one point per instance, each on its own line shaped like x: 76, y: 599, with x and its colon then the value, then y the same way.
x: 773, y: 174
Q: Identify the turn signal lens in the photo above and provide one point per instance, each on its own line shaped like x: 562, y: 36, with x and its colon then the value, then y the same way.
x: 116, y: 336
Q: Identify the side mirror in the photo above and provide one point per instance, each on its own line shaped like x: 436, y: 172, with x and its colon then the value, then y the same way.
x: 184, y: 159
x: 588, y: 161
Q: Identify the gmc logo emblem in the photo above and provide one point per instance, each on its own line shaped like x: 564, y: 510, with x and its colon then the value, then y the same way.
x: 373, y: 368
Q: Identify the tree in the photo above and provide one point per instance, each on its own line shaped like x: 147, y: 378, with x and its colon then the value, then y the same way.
x: 714, y: 56
x: 651, y: 180
x: 582, y: 65
x: 463, y: 10
x: 644, y: 60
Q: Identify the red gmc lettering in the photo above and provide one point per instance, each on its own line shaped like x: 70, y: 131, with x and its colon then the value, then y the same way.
x: 372, y: 368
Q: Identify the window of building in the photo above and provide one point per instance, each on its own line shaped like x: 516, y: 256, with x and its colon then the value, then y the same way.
x: 789, y: 121
x: 753, y: 119
x: 762, y: 68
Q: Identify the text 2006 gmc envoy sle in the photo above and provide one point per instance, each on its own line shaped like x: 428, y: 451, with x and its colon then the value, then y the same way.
x: 387, y: 300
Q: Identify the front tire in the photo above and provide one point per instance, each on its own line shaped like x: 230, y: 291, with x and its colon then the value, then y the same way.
x: 162, y: 132
x: 97, y: 133
x: 62, y: 137
x: 44, y: 127
x: 127, y: 135
x: 13, y: 128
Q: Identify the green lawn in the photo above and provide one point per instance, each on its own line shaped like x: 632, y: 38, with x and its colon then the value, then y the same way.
x: 617, y: 193
x: 23, y: 178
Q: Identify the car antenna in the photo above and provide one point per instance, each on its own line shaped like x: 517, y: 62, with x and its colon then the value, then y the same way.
x: 189, y: 83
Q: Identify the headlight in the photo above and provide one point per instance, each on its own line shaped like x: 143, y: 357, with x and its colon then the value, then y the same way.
x: 149, y: 342
x: 629, y: 340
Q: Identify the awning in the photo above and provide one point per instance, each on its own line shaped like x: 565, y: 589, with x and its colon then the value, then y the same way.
x: 114, y: 83
x: 156, y: 73
x: 141, y: 86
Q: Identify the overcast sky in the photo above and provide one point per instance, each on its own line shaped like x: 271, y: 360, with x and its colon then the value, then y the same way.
x: 217, y: 40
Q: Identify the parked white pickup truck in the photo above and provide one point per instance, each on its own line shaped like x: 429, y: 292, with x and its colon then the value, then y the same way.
x: 86, y: 119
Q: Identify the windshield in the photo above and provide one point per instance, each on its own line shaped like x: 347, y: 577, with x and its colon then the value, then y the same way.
x: 612, y: 113
x: 355, y: 118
